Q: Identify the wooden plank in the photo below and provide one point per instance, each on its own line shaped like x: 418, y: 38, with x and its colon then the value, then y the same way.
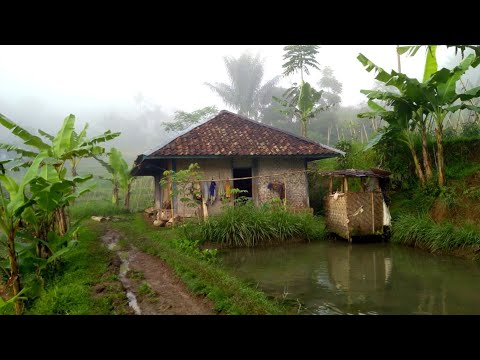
x: 158, y: 192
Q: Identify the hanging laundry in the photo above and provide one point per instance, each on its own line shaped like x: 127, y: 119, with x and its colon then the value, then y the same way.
x: 278, y: 187
x: 205, y: 192
x: 212, y: 192
x: 228, y: 188
x: 220, y: 190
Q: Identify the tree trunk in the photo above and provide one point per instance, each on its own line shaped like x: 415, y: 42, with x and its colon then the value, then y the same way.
x: 14, y: 271
x: 126, y: 203
x: 440, y: 158
x: 418, y: 168
x: 426, y: 158
x: 115, y: 194
x: 61, y: 221
x: 304, y: 128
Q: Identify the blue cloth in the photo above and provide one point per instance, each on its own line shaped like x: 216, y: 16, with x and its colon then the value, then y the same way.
x: 212, y: 188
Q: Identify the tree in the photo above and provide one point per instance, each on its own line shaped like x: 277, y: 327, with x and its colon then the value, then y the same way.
x: 435, y: 97
x: 184, y: 120
x: 301, y: 101
x: 65, y: 146
x: 307, y: 106
x: 300, y: 58
x: 332, y: 88
x: 121, y: 176
x: 245, y: 92
x: 11, y: 209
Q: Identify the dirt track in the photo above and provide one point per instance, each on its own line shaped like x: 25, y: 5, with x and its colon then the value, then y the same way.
x: 152, y: 287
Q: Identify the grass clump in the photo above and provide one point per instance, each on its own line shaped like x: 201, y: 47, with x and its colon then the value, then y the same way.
x: 248, y: 225
x: 146, y: 290
x: 421, y: 231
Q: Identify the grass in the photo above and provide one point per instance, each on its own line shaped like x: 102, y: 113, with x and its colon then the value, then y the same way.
x: 95, y: 207
x: 145, y: 290
x: 247, y: 225
x: 87, y: 284
x: 229, y: 294
x: 421, y: 231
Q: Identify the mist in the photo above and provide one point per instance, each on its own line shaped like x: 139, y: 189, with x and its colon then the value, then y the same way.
x: 134, y: 89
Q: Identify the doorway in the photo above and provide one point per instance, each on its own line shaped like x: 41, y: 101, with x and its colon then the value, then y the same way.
x: 245, y: 184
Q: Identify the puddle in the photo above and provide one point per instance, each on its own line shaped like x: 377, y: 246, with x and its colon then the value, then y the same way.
x: 111, y: 241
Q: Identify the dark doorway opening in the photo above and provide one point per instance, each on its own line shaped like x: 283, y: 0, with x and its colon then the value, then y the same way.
x: 245, y: 184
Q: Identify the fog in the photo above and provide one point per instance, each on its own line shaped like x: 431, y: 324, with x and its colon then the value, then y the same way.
x: 134, y: 89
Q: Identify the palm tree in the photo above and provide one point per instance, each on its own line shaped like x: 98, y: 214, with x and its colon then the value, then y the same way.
x: 245, y: 93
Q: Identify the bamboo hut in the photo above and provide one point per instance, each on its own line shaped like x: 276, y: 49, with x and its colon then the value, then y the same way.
x: 357, y: 213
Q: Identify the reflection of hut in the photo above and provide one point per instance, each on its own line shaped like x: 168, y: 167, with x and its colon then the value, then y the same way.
x: 357, y: 213
x: 354, y: 269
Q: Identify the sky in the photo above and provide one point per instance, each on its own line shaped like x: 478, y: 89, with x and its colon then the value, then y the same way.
x: 172, y: 76
x: 45, y: 83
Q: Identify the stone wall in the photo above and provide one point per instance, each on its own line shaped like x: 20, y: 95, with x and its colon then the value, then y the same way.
x: 295, y: 184
x: 211, y: 168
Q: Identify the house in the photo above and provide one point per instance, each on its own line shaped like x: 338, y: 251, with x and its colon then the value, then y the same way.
x: 263, y: 161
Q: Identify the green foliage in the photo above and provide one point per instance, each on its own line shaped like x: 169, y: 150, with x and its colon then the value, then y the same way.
x: 183, y: 119
x: 248, y: 225
x: 182, y: 181
x: 192, y: 248
x: 71, y: 290
x: 300, y: 58
x: 421, y: 231
x: 470, y: 129
x: 120, y: 175
x: 146, y: 290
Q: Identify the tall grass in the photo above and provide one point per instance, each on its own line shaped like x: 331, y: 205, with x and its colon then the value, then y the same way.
x: 421, y: 231
x: 247, y: 225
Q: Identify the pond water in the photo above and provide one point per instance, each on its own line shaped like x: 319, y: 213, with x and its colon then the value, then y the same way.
x: 334, y: 277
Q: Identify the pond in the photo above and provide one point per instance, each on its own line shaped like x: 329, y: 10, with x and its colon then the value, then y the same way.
x: 334, y: 277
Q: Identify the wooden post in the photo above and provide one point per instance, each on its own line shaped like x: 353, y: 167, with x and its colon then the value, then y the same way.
x: 345, y: 184
x: 158, y: 192
x: 285, y: 189
x: 373, y: 216
x: 362, y: 184
x: 330, y: 186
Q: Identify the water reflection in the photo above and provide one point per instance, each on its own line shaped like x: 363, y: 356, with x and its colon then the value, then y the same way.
x: 341, y: 278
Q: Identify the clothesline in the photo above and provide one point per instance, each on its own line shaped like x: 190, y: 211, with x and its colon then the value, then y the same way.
x: 251, y: 177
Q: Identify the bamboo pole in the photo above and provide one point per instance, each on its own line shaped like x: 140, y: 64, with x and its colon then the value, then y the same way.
x: 373, y: 216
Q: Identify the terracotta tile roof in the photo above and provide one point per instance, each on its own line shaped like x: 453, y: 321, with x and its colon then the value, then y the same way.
x: 229, y: 134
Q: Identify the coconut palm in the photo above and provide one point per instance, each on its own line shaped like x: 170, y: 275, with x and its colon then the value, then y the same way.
x: 245, y: 92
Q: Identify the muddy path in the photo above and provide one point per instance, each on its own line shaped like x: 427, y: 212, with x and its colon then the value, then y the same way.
x: 151, y: 286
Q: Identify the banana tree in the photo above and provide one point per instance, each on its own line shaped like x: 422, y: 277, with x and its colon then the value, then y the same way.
x: 435, y: 97
x: 65, y: 146
x: 304, y: 105
x: 11, y: 209
x: 121, y: 177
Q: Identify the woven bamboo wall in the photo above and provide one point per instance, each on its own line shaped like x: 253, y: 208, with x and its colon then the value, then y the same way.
x: 361, y: 224
x: 337, y: 215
